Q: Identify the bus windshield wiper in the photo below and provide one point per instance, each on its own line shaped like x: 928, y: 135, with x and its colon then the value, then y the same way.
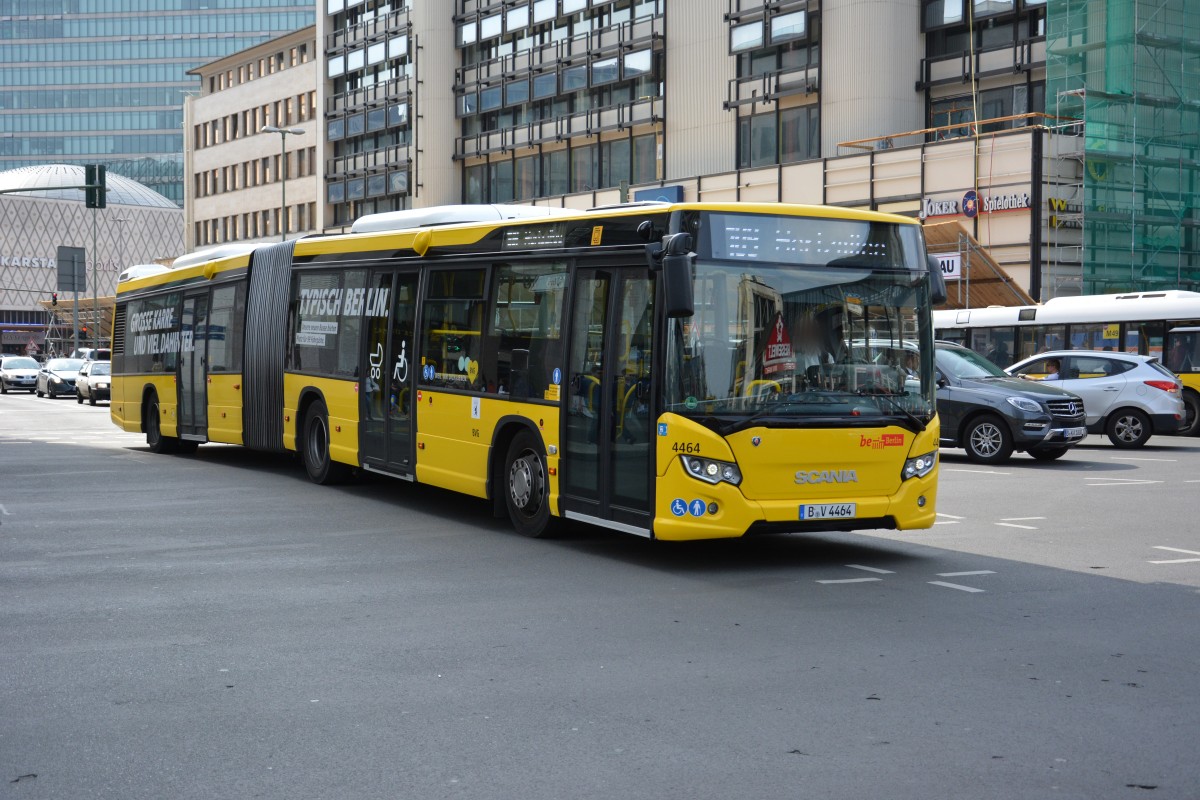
x: 765, y: 411
x: 898, y: 406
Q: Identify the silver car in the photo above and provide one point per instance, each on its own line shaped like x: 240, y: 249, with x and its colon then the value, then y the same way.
x: 1126, y: 396
x: 58, y: 377
x: 18, y: 372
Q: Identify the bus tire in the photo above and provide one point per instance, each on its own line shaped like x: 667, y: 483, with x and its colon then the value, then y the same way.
x: 314, y: 446
x: 1191, y: 413
x: 1128, y: 428
x: 526, y: 486
x: 987, y: 440
x: 153, y: 423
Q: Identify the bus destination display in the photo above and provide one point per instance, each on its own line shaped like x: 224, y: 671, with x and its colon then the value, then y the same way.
x: 798, y: 240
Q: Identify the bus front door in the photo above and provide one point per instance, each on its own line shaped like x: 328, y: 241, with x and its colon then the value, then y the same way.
x: 607, y: 465
x: 387, y: 377
x: 193, y: 368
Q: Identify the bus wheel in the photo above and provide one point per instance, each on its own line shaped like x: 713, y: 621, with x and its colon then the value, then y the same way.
x: 1191, y: 414
x: 1129, y: 428
x: 987, y: 440
x: 526, y: 489
x: 154, y: 437
x: 315, y: 447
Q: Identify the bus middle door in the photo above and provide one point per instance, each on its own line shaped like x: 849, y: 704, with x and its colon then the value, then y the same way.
x: 387, y: 379
x: 193, y: 368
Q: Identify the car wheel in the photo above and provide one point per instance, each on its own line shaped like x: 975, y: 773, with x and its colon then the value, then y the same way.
x: 51, y: 391
x: 3, y: 387
x: 987, y: 440
x: 315, y: 447
x: 526, y: 488
x: 1191, y: 414
x: 91, y: 400
x: 39, y: 392
x: 1128, y: 428
x: 154, y: 437
x: 78, y: 397
x: 1048, y: 453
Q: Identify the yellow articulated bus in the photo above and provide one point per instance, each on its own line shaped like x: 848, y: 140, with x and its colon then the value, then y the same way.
x: 674, y: 371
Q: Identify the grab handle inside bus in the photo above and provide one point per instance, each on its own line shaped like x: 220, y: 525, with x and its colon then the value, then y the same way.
x: 937, y: 281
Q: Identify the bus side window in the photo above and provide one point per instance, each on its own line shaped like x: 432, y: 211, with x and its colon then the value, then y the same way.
x: 452, y: 341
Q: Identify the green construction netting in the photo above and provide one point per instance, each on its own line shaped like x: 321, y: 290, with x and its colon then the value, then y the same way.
x: 1129, y: 71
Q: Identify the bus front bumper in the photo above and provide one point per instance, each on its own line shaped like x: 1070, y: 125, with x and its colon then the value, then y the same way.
x: 721, y: 511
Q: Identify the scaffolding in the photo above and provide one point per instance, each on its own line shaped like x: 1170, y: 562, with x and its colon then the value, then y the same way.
x: 1129, y: 72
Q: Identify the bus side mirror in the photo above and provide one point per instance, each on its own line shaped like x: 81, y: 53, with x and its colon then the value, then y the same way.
x: 674, y: 257
x: 937, y: 281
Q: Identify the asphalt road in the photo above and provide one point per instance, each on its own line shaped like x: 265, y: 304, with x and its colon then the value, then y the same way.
x: 213, y: 626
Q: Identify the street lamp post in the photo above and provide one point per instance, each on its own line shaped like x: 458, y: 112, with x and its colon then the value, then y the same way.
x: 283, y: 134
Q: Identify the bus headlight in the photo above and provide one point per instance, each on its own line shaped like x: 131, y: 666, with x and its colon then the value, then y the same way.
x: 711, y: 471
x: 920, y: 466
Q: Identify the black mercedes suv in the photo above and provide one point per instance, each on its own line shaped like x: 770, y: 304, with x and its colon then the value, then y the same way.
x: 990, y: 414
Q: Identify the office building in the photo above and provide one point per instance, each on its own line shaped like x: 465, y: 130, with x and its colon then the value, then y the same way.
x: 103, y: 81
x: 1052, y: 132
x: 246, y: 184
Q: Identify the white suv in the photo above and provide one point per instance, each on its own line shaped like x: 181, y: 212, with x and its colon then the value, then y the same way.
x: 1126, y: 396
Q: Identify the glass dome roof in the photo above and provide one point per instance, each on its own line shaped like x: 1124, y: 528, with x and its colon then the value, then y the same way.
x: 53, y: 177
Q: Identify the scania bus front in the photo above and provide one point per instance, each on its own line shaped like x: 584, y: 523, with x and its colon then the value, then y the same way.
x: 799, y: 393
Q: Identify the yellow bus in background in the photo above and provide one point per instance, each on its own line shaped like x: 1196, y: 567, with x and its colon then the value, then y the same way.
x: 633, y: 367
x: 1163, y: 324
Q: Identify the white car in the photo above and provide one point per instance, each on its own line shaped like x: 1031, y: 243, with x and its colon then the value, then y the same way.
x: 1126, y: 396
x: 18, y: 372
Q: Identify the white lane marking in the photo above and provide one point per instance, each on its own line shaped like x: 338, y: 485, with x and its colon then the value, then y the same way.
x: 1124, y: 482
x: 962, y: 574
x: 853, y: 580
x: 955, y: 586
x: 1019, y: 519
x: 949, y: 516
x: 977, y: 471
x: 1191, y: 481
x: 1015, y: 525
x: 1176, y: 560
x: 880, y: 571
x: 947, y: 522
x: 1131, y: 458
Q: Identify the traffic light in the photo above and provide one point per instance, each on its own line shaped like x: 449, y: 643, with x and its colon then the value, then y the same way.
x: 96, y: 189
x: 54, y: 298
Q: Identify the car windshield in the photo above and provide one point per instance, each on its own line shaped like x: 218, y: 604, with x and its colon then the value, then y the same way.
x: 801, y: 343
x: 64, y: 364
x: 966, y: 364
x: 101, y: 368
x: 20, y: 363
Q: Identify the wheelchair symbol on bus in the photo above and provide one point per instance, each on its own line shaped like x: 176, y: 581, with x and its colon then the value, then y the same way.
x: 678, y: 507
x: 400, y: 373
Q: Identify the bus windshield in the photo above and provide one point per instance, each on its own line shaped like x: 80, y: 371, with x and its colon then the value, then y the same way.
x: 802, y: 345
